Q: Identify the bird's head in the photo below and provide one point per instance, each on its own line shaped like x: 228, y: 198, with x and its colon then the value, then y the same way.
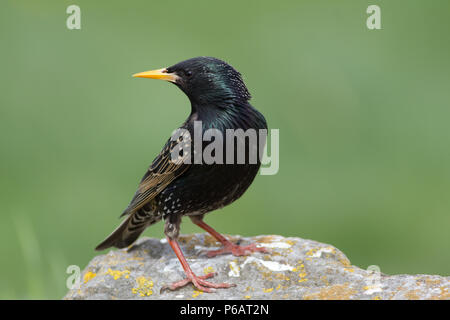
x: 206, y: 81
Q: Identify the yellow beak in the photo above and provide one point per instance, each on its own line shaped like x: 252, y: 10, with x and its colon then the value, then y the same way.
x: 160, y: 74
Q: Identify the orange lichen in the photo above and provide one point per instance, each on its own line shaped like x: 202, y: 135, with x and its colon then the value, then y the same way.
x: 209, y: 241
x: 116, y: 274
x: 144, y: 286
x: 196, y: 293
x: 290, y: 242
x: 412, y: 295
x: 344, y: 261
x: 281, y: 276
x: 186, y: 238
x: 444, y: 295
x: 336, y: 292
x: 208, y: 270
x: 88, y: 276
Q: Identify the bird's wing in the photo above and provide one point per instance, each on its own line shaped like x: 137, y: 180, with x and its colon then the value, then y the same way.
x: 161, y: 173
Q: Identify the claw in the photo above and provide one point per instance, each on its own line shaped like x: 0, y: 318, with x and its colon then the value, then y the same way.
x: 228, y: 247
x: 199, y: 282
x: 238, y: 250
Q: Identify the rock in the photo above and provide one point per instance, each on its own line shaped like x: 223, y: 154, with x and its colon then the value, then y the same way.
x: 295, y: 269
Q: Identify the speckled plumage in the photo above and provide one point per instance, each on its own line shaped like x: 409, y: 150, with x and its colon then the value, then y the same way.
x: 219, y: 98
x: 173, y: 187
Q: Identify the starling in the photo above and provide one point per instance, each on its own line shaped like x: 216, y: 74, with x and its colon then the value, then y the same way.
x: 173, y: 188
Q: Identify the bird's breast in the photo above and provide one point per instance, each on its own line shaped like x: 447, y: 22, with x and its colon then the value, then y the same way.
x: 224, y: 163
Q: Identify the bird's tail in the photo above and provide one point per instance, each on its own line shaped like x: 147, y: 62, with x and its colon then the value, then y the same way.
x: 128, y: 231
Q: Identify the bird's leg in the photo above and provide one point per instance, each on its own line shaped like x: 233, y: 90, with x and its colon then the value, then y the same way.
x: 198, y: 281
x: 171, y: 230
x: 228, y: 247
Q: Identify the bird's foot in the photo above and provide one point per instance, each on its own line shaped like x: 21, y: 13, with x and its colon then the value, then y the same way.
x: 237, y: 250
x: 199, y: 282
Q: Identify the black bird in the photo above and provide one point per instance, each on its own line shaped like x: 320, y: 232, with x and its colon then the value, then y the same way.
x: 173, y: 188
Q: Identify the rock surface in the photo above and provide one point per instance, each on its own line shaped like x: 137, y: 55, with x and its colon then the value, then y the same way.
x: 295, y: 269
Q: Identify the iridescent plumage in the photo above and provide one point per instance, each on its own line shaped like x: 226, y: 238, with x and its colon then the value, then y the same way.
x: 168, y: 190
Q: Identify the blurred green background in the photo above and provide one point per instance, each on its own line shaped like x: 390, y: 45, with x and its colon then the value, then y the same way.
x: 363, y: 117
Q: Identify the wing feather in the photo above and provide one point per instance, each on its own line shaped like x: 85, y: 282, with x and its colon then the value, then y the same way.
x: 159, y: 175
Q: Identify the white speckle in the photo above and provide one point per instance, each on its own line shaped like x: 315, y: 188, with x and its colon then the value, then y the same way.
x: 281, y: 245
x: 319, y: 252
x: 163, y: 240
x: 373, y: 289
x: 167, y: 269
x: 179, y: 296
x: 271, y: 265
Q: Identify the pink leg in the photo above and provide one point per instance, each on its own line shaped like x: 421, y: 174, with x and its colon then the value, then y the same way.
x: 228, y: 247
x: 198, y: 281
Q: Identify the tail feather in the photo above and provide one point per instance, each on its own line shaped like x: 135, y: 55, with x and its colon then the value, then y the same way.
x: 127, y: 232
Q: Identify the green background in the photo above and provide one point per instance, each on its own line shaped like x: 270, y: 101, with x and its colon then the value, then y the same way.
x: 363, y: 118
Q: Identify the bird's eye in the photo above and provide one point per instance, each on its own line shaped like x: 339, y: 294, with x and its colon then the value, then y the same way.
x: 188, y: 73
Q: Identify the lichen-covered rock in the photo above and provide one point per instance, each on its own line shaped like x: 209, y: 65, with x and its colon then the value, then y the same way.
x: 295, y: 269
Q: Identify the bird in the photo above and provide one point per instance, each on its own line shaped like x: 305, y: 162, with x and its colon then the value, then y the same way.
x: 173, y: 188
